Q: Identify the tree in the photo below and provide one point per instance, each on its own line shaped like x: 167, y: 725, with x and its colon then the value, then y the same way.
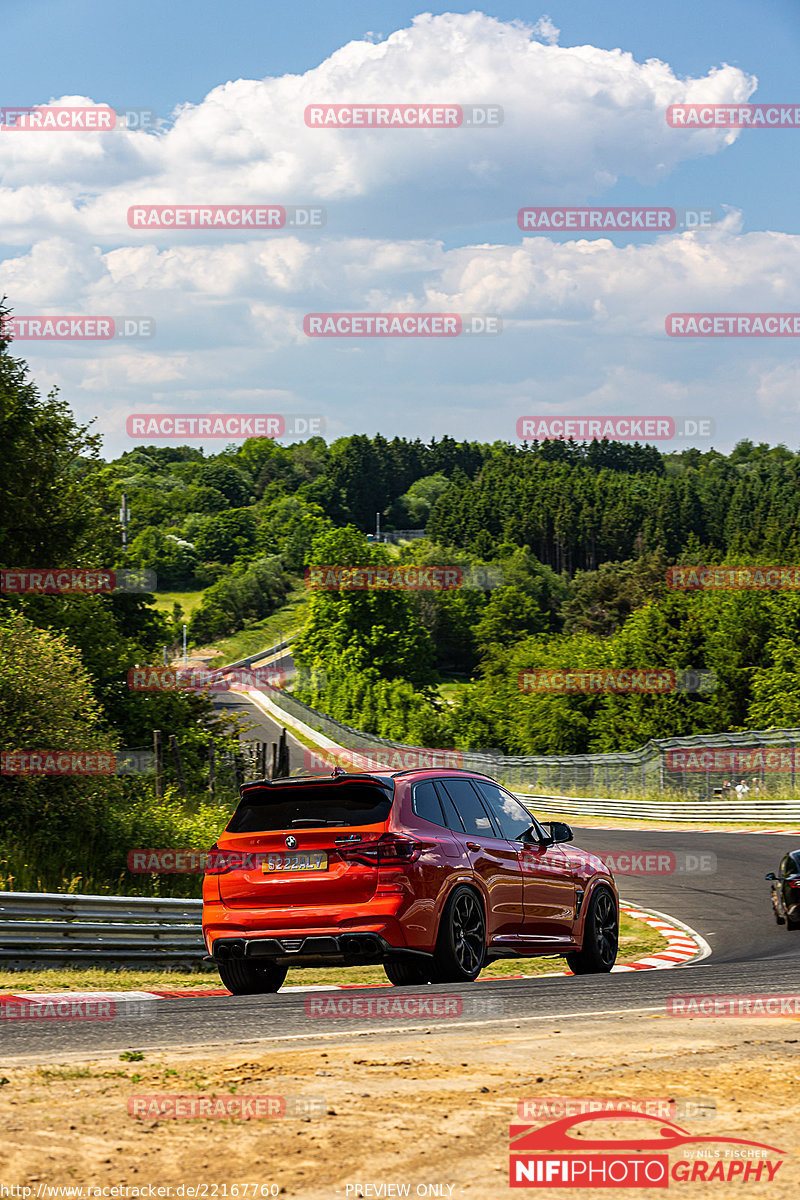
x: 54, y: 508
x: 248, y: 593
x: 411, y: 511
x: 601, y: 601
x: 172, y: 558
x: 227, y: 536
x: 377, y: 628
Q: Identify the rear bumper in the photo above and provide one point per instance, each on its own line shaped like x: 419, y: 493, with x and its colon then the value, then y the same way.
x: 344, y: 936
x: 309, y: 950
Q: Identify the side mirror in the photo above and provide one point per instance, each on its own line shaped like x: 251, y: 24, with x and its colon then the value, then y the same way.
x: 559, y: 832
x: 771, y: 875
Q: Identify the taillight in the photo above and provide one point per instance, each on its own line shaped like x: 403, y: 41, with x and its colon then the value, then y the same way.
x: 390, y: 850
x: 794, y: 883
x: 219, y: 862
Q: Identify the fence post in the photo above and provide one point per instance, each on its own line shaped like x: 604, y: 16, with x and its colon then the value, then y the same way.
x: 283, y: 756
x: 158, y: 750
x: 274, y: 771
x: 176, y: 754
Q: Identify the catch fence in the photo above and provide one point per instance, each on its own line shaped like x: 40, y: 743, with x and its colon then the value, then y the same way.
x: 703, y: 766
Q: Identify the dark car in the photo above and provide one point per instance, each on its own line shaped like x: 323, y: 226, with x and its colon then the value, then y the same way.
x: 785, y: 891
x: 433, y: 873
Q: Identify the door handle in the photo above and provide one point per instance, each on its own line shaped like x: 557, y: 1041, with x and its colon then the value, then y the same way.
x: 473, y: 846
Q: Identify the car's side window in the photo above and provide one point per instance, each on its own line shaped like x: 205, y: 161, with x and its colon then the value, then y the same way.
x: 513, y: 819
x: 786, y: 866
x: 426, y: 804
x: 452, y: 819
x: 468, y: 803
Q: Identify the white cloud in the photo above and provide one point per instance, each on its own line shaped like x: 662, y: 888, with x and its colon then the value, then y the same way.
x: 584, y: 319
x: 576, y: 119
x: 546, y: 30
x: 256, y: 294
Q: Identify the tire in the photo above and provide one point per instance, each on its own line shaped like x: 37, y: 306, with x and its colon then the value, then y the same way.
x: 461, y: 942
x: 407, y: 972
x: 791, y: 925
x: 600, y: 937
x: 779, y: 920
x: 246, y: 977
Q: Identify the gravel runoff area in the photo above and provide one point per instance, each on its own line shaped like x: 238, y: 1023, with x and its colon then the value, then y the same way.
x: 419, y: 1112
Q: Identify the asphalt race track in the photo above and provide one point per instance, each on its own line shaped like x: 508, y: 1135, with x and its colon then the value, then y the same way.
x: 729, y: 907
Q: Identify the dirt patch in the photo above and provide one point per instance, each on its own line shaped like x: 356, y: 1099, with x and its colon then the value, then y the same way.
x: 395, y: 1109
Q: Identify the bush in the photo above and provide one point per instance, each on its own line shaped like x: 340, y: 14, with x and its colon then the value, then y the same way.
x: 61, y: 843
x: 250, y: 593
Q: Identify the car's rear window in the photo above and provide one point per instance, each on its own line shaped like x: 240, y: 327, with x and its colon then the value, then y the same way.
x: 312, y: 805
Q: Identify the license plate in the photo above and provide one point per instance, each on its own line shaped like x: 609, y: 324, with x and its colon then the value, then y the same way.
x: 309, y: 860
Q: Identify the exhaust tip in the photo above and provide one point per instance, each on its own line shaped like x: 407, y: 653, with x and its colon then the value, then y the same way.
x: 357, y: 943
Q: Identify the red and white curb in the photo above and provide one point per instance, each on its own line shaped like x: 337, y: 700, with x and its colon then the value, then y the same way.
x: 683, y: 945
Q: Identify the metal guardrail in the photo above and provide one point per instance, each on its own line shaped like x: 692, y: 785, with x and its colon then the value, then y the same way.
x: 254, y: 658
x: 770, y: 812
x: 53, y: 929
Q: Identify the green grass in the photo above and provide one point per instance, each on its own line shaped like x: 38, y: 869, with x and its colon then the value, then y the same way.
x: 189, y: 602
x: 450, y: 686
x: 636, y: 941
x: 281, y: 624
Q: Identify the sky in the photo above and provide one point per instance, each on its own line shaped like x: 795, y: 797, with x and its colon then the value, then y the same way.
x: 412, y: 221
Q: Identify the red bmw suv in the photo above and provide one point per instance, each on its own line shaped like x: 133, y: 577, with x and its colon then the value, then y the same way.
x: 433, y: 873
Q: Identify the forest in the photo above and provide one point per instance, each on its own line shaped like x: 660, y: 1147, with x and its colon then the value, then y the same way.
x: 564, y: 551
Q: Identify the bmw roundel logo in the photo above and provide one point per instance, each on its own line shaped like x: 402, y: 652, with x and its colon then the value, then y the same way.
x: 291, y: 842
